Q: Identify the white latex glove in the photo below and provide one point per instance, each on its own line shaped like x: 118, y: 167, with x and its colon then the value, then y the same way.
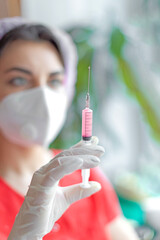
x: 45, y: 201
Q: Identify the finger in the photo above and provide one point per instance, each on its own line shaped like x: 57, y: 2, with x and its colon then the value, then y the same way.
x: 44, y: 184
x: 76, y: 192
x: 83, y: 150
x: 67, y: 166
x: 38, y: 176
x: 89, y: 150
x: 55, y: 174
x: 89, y: 161
x: 94, y: 141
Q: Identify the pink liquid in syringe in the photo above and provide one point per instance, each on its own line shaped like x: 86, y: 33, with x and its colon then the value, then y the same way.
x: 87, y: 114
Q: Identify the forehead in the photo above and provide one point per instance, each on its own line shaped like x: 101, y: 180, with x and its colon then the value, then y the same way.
x: 31, y: 54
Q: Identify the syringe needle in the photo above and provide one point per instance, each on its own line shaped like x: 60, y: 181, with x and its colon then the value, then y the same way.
x: 89, y: 70
x: 88, y: 96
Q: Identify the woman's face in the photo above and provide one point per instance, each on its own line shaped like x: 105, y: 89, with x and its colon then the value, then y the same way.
x: 27, y: 64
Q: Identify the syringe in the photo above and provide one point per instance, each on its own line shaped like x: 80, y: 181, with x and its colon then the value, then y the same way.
x: 87, y: 115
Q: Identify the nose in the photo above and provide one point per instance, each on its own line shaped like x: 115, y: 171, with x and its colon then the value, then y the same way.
x: 40, y: 81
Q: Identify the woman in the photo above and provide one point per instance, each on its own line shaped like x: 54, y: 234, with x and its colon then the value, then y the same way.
x: 37, y: 72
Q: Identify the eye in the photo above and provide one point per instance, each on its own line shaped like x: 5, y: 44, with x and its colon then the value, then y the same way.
x: 55, y: 83
x: 18, y: 81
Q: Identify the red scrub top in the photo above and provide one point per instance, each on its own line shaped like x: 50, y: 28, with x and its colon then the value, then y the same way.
x: 85, y: 219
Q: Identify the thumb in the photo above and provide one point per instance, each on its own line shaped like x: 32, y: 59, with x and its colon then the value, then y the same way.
x: 76, y: 192
x: 94, y: 141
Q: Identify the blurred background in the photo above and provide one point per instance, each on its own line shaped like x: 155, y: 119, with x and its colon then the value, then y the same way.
x: 120, y: 40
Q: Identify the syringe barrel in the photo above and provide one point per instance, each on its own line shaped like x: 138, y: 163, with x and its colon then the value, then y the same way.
x: 87, y: 115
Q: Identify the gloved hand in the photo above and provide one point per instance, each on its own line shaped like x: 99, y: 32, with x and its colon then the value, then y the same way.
x: 45, y: 201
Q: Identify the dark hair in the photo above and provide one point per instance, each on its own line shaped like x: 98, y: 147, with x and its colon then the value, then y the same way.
x: 29, y: 32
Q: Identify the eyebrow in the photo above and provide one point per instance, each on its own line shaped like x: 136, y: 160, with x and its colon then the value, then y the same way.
x: 56, y: 73
x: 19, y: 69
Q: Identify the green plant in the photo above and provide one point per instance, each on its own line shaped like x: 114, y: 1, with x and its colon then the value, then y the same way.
x: 129, y: 79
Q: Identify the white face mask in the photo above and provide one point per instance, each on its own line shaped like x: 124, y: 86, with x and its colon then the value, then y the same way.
x: 33, y: 116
